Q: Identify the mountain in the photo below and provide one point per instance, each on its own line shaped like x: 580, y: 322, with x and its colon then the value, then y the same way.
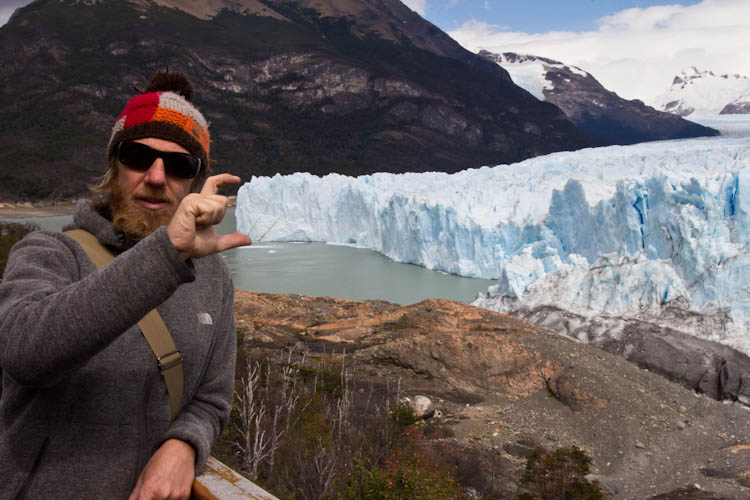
x: 695, y: 92
x: 348, y: 86
x: 599, y: 112
x: 740, y: 106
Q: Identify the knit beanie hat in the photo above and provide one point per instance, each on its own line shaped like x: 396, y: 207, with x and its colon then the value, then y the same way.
x: 164, y: 111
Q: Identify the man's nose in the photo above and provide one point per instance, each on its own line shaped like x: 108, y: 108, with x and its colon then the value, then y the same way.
x: 156, y: 175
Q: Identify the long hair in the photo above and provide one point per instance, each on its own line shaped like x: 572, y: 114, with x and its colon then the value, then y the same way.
x: 102, y: 197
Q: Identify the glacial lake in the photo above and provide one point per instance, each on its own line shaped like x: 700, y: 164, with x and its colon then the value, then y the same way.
x: 319, y: 269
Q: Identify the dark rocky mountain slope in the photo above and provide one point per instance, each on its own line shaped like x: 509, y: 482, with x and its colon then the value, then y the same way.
x: 348, y: 86
x: 599, y: 112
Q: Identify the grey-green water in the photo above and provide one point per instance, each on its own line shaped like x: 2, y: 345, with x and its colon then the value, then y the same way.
x: 318, y: 269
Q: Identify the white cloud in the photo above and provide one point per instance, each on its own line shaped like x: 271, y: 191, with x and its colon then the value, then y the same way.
x: 418, y: 6
x: 637, y: 52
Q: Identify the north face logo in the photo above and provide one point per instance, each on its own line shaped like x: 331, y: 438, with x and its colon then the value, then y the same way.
x: 205, y: 319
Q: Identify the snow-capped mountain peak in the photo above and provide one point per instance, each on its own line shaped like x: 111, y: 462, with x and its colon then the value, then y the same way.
x: 530, y: 72
x: 601, y: 113
x: 703, y: 92
x: 689, y: 76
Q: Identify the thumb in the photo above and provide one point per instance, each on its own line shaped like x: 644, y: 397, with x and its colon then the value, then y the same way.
x: 233, y: 240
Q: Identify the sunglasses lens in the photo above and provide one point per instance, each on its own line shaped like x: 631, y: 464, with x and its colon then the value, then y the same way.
x: 184, y: 166
x: 135, y: 155
x: 140, y: 157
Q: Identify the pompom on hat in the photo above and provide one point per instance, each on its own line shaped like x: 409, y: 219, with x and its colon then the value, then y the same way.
x: 165, y: 111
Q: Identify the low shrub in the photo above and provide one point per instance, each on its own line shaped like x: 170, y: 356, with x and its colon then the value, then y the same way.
x: 405, y: 475
x: 559, y: 475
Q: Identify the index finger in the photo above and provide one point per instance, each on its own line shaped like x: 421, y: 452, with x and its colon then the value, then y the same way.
x: 213, y: 183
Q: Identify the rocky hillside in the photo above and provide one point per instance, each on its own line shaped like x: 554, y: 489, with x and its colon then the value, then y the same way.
x: 503, y: 388
x: 599, y: 112
x: 349, y: 86
x: 740, y: 106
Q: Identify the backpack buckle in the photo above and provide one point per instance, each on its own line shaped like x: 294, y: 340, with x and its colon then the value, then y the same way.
x: 169, y: 360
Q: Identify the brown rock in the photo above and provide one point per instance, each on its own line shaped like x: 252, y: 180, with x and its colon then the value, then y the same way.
x: 467, y: 348
x: 737, y: 447
x: 568, y: 388
x: 470, y: 361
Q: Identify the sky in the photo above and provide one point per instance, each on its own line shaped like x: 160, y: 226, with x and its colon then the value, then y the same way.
x: 8, y: 6
x: 633, y: 47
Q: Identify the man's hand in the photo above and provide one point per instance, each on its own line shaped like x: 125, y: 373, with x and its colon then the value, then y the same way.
x: 191, y: 228
x: 168, y: 475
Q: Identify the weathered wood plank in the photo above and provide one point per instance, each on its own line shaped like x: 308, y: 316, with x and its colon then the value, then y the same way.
x: 219, y: 482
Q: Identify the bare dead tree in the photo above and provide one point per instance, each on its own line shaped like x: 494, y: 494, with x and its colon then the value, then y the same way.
x: 255, y: 446
x: 326, y: 467
x: 252, y: 411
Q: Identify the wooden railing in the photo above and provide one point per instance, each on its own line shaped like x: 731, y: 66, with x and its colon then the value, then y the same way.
x: 219, y: 482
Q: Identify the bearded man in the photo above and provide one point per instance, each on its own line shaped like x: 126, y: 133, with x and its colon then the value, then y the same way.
x: 84, y: 411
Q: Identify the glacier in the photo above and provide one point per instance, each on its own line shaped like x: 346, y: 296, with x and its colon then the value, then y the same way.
x: 635, y: 231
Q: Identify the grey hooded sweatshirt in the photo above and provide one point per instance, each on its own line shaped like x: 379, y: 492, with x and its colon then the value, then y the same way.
x: 82, y: 403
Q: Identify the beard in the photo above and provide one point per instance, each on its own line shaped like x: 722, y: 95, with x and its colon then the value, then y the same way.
x: 136, y: 221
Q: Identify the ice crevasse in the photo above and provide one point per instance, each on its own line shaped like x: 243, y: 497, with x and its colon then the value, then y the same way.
x: 621, y: 230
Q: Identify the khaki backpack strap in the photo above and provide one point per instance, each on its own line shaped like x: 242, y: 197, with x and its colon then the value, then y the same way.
x: 167, y: 355
x: 99, y: 255
x: 152, y: 327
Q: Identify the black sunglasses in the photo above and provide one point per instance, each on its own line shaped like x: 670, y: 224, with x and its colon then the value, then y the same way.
x: 140, y: 157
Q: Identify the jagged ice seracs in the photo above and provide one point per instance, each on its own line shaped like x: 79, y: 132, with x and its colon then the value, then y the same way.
x: 627, y: 231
